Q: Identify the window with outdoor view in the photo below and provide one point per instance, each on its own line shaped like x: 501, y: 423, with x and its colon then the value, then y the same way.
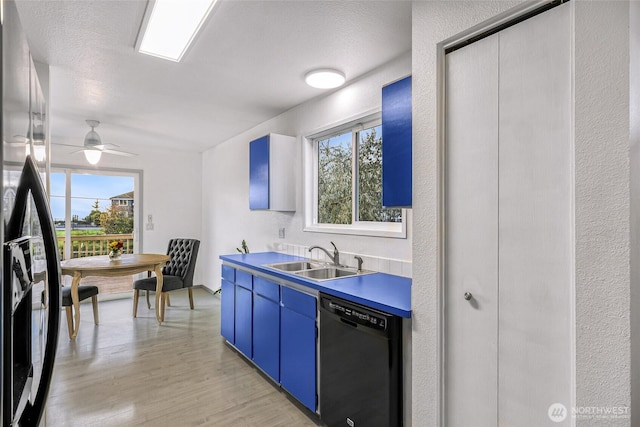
x: 93, y: 209
x: 349, y: 177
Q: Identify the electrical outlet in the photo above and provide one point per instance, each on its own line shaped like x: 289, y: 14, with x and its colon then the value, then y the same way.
x: 281, y: 233
x: 149, y: 226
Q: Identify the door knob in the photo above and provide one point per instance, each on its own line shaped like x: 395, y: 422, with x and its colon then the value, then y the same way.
x: 468, y: 296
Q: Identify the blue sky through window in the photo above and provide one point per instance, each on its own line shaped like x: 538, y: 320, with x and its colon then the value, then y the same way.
x: 85, y: 189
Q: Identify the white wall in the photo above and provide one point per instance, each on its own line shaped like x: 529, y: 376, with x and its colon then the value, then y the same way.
x: 225, y: 192
x: 634, y: 116
x: 172, y: 182
x: 601, y: 179
x: 602, y: 207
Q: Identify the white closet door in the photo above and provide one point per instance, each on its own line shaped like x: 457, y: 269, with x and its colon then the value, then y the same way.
x: 471, y: 235
x: 534, y: 355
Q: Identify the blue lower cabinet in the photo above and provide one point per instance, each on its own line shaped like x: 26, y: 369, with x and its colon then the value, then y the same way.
x: 266, y: 335
x: 227, y: 311
x: 243, y: 323
x: 298, y: 346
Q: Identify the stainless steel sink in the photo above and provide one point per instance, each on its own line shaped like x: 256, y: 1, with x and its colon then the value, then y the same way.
x: 330, y: 273
x: 326, y: 273
x: 317, y: 271
x: 295, y: 265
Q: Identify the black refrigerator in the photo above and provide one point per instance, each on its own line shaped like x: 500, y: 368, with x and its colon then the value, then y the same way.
x: 30, y: 276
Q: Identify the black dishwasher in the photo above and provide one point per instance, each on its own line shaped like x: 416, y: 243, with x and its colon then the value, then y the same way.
x: 360, y: 365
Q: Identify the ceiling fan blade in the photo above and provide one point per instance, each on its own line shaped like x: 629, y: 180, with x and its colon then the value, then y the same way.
x: 14, y: 144
x: 66, y: 145
x: 119, y: 153
x: 78, y: 151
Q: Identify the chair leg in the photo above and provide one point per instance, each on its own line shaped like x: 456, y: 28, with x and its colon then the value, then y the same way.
x: 163, y: 300
x: 136, y: 293
x: 148, y: 302
x: 69, y: 321
x: 168, y: 300
x: 94, y: 301
x: 191, y: 298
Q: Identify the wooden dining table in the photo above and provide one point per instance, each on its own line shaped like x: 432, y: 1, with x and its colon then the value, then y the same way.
x: 126, y: 265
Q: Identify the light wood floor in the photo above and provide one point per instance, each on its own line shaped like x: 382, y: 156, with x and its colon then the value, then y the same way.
x: 132, y: 372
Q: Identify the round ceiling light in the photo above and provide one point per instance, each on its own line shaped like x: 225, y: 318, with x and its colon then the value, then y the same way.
x: 325, y: 78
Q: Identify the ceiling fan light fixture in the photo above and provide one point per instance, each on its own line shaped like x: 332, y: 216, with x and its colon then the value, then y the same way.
x: 39, y: 152
x: 325, y: 78
x: 93, y: 156
x: 169, y: 27
x: 92, y: 138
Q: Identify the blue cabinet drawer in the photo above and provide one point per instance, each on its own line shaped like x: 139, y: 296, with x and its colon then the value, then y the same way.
x: 267, y: 289
x: 299, y: 302
x: 229, y: 273
x: 244, y: 279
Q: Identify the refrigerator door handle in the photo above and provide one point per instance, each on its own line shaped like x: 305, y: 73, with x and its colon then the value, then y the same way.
x: 30, y: 182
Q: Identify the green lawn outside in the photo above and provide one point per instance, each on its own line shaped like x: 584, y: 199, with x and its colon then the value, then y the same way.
x: 60, y: 233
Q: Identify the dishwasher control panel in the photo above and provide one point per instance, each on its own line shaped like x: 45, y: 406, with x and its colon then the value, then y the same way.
x: 359, y: 315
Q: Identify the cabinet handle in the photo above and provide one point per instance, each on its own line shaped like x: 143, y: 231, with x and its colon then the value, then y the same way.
x: 468, y: 296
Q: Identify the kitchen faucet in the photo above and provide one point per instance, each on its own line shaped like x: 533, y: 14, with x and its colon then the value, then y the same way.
x: 336, y: 255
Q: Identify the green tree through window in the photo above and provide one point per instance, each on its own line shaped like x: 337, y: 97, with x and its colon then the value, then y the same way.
x: 334, y: 180
x: 337, y: 181
x: 370, y: 179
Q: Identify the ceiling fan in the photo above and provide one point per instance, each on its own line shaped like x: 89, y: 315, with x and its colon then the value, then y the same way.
x: 93, y: 146
x: 34, y: 143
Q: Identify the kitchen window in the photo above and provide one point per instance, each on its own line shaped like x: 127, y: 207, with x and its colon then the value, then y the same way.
x: 346, y: 165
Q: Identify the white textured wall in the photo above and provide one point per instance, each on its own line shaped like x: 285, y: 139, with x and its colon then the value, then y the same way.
x: 225, y: 192
x: 602, y: 207
x: 172, y: 182
x: 602, y: 202
x: 634, y: 116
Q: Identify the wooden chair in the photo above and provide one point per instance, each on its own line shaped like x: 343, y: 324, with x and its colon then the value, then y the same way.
x: 84, y: 292
x: 177, y: 274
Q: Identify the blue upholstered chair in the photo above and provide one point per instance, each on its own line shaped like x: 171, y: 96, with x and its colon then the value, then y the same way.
x: 177, y: 274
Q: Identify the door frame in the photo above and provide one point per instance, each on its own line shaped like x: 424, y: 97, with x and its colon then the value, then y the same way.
x: 491, y: 26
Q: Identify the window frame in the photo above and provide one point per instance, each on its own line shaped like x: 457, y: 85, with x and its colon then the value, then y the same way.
x: 360, y: 228
x: 69, y: 170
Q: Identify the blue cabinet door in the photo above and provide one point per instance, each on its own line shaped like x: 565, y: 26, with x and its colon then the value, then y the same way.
x: 298, y: 351
x: 396, y: 144
x: 227, y: 311
x: 266, y: 335
x: 259, y: 173
x: 243, y: 324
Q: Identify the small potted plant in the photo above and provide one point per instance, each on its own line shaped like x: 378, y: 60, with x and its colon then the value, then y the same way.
x: 115, y: 249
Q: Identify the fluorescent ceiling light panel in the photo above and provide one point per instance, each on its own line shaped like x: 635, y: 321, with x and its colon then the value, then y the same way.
x: 172, y: 26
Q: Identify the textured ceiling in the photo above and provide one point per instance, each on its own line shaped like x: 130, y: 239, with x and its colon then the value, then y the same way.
x: 246, y: 66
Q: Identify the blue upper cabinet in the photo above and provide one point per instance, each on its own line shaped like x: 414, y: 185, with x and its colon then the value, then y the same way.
x: 396, y: 144
x: 272, y: 173
x: 259, y: 173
